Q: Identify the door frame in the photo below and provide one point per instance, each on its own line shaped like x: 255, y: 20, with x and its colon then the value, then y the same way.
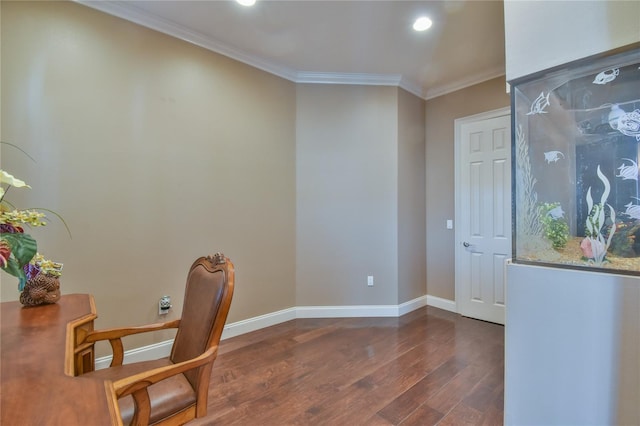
x: 458, y: 123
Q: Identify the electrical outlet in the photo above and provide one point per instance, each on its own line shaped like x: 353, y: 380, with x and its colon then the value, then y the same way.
x: 370, y: 280
x: 164, y: 305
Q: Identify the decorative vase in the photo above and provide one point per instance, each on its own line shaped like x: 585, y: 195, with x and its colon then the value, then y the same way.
x: 41, y: 290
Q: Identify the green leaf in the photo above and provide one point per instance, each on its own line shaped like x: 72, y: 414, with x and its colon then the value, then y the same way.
x: 23, y: 248
x: 14, y: 269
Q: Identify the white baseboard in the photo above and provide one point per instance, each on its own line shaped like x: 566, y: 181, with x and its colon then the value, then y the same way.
x: 363, y: 311
x: 438, y: 302
x: 346, y: 311
x: 163, y: 349
x: 412, y: 305
x: 256, y: 323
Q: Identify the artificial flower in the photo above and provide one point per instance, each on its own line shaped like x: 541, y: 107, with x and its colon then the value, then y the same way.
x: 45, y: 266
x: 11, y: 229
x: 12, y: 181
x: 29, y: 217
x: 5, y: 253
x: 18, y: 250
x: 8, y: 179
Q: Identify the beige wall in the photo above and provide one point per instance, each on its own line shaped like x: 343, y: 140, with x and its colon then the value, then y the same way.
x: 441, y: 112
x: 411, y: 198
x: 155, y: 152
x: 359, y: 196
x: 346, y: 195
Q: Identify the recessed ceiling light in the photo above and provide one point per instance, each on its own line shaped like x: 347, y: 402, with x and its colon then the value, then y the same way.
x: 423, y: 23
x: 246, y: 2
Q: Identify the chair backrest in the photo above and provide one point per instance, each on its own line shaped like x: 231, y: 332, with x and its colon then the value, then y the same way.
x: 207, y: 299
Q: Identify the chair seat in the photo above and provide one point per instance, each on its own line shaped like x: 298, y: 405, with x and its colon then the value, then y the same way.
x: 167, y: 397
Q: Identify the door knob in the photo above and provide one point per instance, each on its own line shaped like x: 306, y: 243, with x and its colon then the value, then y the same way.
x: 466, y: 244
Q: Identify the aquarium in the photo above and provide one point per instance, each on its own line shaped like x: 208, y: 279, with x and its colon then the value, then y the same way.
x: 576, y: 132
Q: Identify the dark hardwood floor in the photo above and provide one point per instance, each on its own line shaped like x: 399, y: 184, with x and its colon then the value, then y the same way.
x: 425, y: 368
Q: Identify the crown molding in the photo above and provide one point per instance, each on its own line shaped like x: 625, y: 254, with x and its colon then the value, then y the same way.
x: 396, y: 80
x: 348, y: 78
x: 465, y: 82
x: 412, y: 87
x: 122, y: 9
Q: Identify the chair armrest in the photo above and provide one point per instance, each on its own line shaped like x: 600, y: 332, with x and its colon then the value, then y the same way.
x: 115, y: 335
x: 137, y: 385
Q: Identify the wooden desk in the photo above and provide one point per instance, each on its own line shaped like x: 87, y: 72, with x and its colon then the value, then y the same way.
x: 39, y: 357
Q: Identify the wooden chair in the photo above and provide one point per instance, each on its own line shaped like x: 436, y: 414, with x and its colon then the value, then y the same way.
x: 174, y: 390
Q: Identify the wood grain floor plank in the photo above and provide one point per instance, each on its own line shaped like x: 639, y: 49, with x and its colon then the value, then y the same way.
x: 402, y: 406
x: 427, y: 367
x: 376, y: 420
x: 483, y: 395
x: 422, y: 416
x: 462, y: 415
x: 457, y: 389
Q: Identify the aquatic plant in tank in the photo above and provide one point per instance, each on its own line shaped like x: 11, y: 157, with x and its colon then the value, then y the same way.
x: 554, y: 225
x: 596, y: 242
x: 576, y: 136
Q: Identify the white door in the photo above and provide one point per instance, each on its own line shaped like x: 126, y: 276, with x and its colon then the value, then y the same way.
x: 483, y: 214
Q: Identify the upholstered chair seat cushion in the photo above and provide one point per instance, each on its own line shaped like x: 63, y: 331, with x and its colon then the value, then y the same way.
x: 167, y: 397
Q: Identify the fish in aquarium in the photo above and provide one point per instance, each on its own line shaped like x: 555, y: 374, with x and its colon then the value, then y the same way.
x: 632, y: 210
x: 629, y: 124
x: 552, y: 156
x: 556, y: 212
x: 628, y: 171
x: 539, y: 104
x: 606, y: 76
x: 614, y: 115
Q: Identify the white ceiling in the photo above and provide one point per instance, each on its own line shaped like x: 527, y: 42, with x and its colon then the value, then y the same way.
x: 340, y: 41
